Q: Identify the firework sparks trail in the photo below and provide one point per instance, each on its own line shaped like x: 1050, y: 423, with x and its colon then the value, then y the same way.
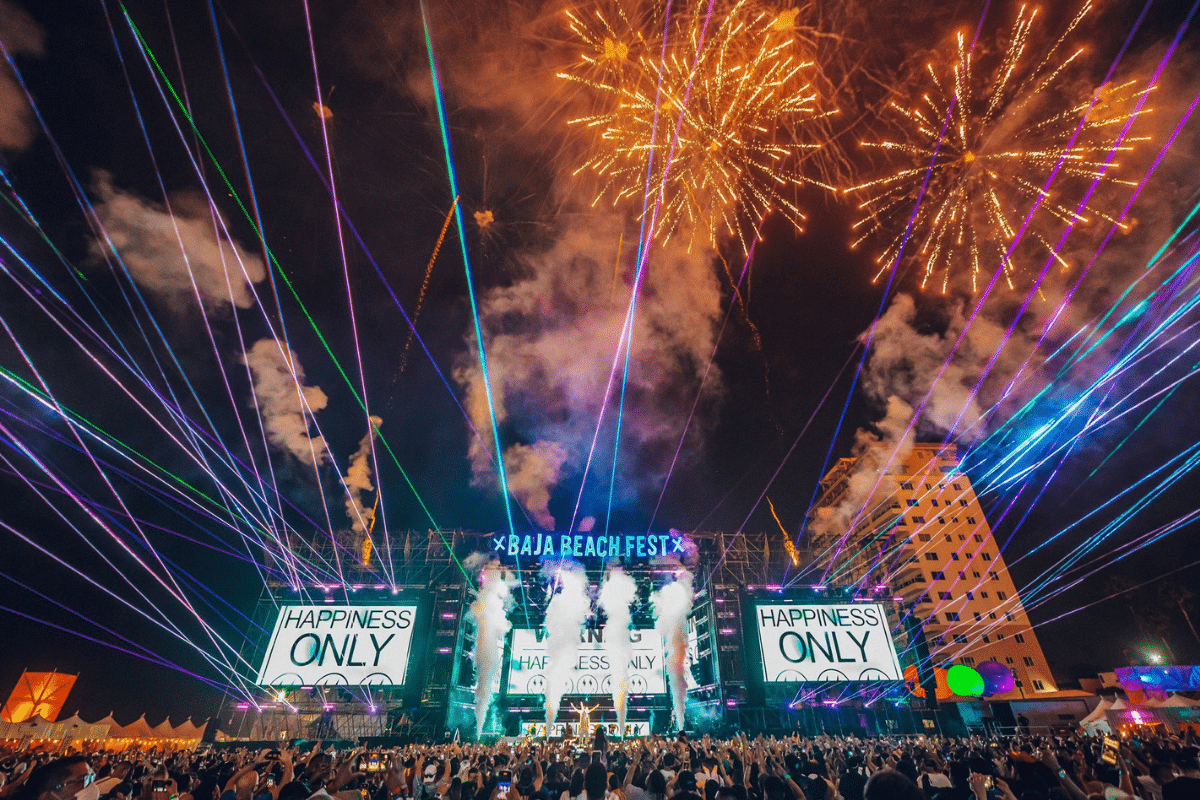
x: 742, y: 96
x: 1011, y: 125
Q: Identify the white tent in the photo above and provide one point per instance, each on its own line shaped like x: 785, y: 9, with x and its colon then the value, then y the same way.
x: 1098, y: 719
x: 138, y: 729
x: 163, y: 730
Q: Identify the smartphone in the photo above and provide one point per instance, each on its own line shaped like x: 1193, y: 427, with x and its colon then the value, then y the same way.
x: 504, y: 781
x: 1109, y: 754
x: 373, y: 762
x: 270, y: 781
x: 160, y: 786
x: 988, y: 783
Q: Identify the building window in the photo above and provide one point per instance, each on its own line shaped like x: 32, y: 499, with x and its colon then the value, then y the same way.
x: 938, y: 576
x: 912, y: 503
x: 931, y: 556
x: 960, y: 536
x: 895, y: 505
x: 907, y: 486
x: 986, y: 639
x: 970, y: 520
x: 942, y: 521
x: 957, y: 488
x: 918, y: 519
x: 960, y: 639
x: 949, y: 538
x: 928, y: 486
x: 933, y: 503
x: 979, y: 537
x: 983, y: 595
x: 954, y: 556
x: 952, y: 616
x: 987, y: 556
x: 1020, y: 637
x: 1018, y: 683
x: 1007, y: 614
x: 991, y: 615
x: 978, y: 617
x: 994, y: 576
x: 1038, y: 685
x: 1008, y: 659
x: 945, y: 596
x: 999, y: 637
x: 962, y: 576
x: 970, y: 595
x: 1028, y: 660
x: 963, y: 503
x: 1001, y: 595
x: 901, y: 521
x: 924, y: 537
x: 976, y: 574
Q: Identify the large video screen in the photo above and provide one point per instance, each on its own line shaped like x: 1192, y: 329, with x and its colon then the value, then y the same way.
x: 339, y: 646
x: 835, y: 642
x: 591, y: 672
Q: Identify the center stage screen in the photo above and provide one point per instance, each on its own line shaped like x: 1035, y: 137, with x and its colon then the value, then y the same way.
x: 835, y: 642
x: 591, y: 672
x: 339, y: 646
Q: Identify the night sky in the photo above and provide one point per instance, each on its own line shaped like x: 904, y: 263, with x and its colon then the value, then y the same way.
x: 791, y: 338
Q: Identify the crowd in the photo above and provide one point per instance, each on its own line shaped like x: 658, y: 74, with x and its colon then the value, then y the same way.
x: 1024, y: 767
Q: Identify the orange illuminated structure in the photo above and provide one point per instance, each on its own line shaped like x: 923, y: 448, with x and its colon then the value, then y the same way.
x: 38, y: 694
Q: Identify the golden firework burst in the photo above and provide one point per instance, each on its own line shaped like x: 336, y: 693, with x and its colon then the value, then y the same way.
x: 699, y: 123
x: 982, y: 143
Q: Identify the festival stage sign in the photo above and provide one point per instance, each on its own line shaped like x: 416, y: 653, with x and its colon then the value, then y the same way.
x: 590, y: 545
x: 339, y: 646
x: 836, y: 642
x: 591, y: 672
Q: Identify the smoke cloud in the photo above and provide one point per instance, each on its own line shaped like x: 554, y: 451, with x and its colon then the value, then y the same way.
x: 490, y: 614
x: 551, y: 340
x: 21, y: 36
x: 566, y: 614
x: 284, y: 402
x: 672, y: 604
x: 166, y: 251
x: 616, y: 595
x: 358, y: 480
x: 532, y: 470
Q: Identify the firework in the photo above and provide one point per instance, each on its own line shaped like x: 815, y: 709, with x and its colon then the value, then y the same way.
x: 704, y: 129
x: 983, y: 142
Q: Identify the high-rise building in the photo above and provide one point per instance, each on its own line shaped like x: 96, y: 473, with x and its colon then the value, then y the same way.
x: 919, y: 528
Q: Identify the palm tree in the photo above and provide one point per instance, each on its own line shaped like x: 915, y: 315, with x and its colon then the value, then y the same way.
x: 1179, y: 596
x: 1120, y: 587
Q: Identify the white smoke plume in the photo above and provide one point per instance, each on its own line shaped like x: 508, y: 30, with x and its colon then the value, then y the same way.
x: 358, y: 480
x: 489, y: 611
x: 166, y: 251
x: 21, y: 36
x: 531, y: 471
x: 672, y: 604
x: 566, y: 614
x: 867, y: 483
x: 551, y: 339
x: 617, y: 593
x: 284, y: 402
